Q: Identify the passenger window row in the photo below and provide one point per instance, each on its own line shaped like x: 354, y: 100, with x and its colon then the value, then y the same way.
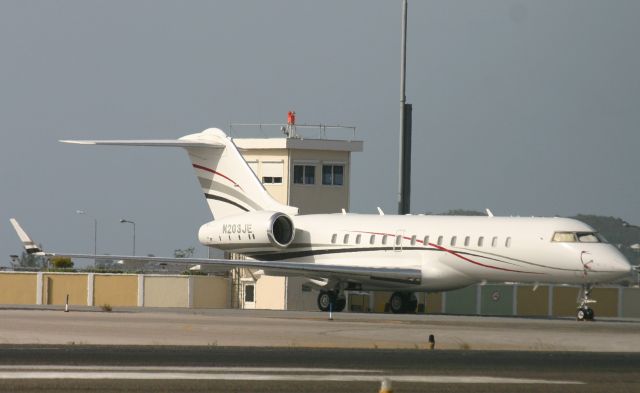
x: 453, y: 241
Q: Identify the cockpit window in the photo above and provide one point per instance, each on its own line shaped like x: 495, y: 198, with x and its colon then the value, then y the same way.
x: 581, y: 237
x: 565, y: 237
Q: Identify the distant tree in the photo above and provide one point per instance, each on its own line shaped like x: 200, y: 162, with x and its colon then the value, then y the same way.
x: 184, y: 253
x: 31, y: 261
x: 61, y: 262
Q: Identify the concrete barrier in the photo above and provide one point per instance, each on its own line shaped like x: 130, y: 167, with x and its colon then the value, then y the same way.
x: 116, y: 290
x: 18, y: 288
x: 56, y: 287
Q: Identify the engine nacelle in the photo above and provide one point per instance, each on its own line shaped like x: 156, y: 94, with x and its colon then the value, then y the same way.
x: 249, y: 230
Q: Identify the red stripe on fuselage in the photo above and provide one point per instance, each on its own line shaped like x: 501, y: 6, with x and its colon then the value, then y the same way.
x: 204, y: 168
x: 451, y: 252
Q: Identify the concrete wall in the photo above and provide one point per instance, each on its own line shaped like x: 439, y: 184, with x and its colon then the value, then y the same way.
x: 532, y: 303
x: 166, y: 291
x: 270, y: 293
x: 56, y: 287
x: 210, y: 292
x: 630, y: 303
x: 18, y: 288
x: 461, y: 301
x: 115, y: 290
x: 434, y: 303
x: 496, y: 299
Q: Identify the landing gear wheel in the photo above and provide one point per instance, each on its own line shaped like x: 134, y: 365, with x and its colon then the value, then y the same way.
x: 340, y: 304
x: 589, y: 314
x: 325, y: 299
x: 412, y: 304
x: 585, y: 314
x: 397, y: 302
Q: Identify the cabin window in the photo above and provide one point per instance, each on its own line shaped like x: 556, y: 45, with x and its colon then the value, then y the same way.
x: 384, y: 239
x: 426, y: 241
x: 358, y: 238
x: 507, y: 243
x: 453, y: 240
x: 480, y: 241
x: 345, y: 240
x: 440, y: 238
x: 467, y: 240
x: 494, y: 241
x: 372, y: 239
x: 334, y: 238
x: 413, y: 240
x: 398, y: 240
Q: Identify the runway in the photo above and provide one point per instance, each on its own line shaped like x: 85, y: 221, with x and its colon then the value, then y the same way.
x: 221, y: 369
x: 278, y: 351
x: 312, y: 329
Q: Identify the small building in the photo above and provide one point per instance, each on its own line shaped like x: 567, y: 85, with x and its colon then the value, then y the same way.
x: 311, y: 174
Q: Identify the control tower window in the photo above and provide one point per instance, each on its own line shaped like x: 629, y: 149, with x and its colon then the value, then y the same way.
x: 333, y: 175
x: 304, y: 174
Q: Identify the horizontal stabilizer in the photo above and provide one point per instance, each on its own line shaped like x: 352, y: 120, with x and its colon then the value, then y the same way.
x: 150, y: 142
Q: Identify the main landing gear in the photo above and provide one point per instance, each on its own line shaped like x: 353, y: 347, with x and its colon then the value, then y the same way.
x: 331, y: 300
x: 585, y: 313
x: 403, y: 303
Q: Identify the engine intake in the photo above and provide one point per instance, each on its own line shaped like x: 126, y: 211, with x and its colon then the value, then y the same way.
x: 249, y: 230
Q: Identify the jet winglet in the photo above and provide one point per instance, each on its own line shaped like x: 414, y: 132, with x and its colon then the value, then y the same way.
x: 29, y: 245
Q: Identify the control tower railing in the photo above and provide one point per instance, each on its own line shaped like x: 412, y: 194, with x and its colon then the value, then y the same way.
x: 299, y: 131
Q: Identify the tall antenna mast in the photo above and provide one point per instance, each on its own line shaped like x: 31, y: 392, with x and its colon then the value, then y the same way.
x: 404, y: 167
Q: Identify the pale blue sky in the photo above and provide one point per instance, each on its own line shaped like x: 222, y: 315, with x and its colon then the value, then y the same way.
x: 525, y: 107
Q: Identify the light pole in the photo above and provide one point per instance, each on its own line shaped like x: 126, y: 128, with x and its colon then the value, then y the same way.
x: 123, y: 221
x: 95, y: 233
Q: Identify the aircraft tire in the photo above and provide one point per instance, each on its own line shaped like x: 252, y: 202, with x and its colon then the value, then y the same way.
x: 398, y: 303
x: 589, y: 314
x: 325, y: 299
x: 340, y: 304
x: 581, y: 314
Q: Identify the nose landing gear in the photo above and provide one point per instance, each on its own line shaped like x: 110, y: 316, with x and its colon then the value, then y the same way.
x: 585, y: 313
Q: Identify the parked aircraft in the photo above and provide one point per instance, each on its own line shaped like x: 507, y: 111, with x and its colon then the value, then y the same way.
x: 376, y: 252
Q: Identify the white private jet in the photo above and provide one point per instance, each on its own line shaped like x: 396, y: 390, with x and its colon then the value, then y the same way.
x: 372, y: 252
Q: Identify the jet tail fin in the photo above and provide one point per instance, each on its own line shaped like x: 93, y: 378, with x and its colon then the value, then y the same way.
x: 229, y: 185
x: 29, y: 245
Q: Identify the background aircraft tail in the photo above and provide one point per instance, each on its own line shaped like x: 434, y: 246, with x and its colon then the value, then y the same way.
x: 228, y: 183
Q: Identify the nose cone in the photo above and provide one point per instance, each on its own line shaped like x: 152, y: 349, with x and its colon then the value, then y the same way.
x: 617, y: 263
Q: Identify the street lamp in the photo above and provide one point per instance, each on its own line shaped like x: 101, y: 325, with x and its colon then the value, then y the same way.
x: 95, y: 233
x: 123, y: 221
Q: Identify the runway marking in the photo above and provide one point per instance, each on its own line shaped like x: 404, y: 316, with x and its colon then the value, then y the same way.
x: 247, y: 374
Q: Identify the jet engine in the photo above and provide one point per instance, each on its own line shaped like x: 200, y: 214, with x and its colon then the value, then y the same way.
x: 257, y: 229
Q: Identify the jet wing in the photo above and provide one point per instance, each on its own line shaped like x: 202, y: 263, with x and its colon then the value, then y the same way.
x: 306, y: 269
x: 350, y: 273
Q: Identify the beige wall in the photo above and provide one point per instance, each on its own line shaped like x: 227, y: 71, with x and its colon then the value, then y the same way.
x: 607, y: 302
x: 270, y: 293
x: 564, y: 301
x: 115, y: 290
x: 532, y: 303
x: 166, y: 291
x: 434, y: 303
x: 333, y: 198
x: 57, y: 286
x: 18, y: 288
x: 210, y: 292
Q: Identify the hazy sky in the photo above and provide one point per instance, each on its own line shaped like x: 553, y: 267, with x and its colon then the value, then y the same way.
x: 525, y: 107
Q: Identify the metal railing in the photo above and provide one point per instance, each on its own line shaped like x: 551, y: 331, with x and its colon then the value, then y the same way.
x: 291, y: 130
